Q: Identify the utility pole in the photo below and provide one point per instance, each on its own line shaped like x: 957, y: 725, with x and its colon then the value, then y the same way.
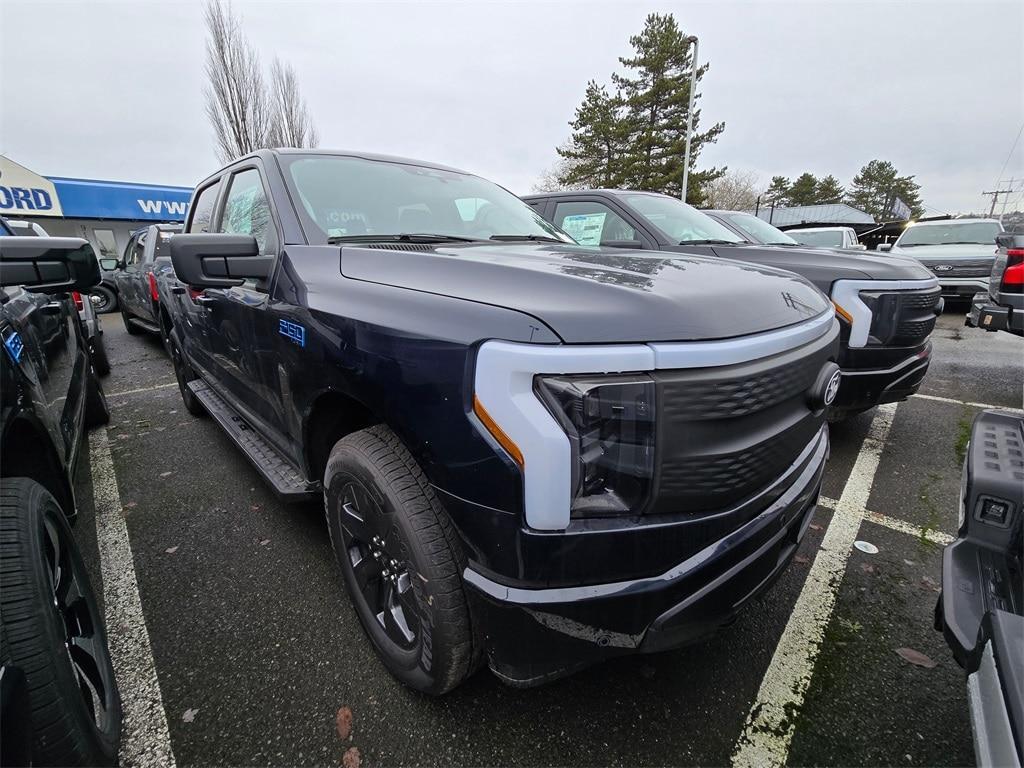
x: 692, y: 40
x: 995, y: 196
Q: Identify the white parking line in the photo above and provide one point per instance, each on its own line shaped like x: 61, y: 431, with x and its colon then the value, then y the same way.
x: 968, y: 402
x: 145, y: 740
x: 936, y: 537
x: 142, y: 389
x: 769, y: 728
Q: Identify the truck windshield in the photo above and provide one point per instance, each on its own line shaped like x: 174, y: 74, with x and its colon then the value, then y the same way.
x: 954, y: 232
x: 350, y: 197
x: 828, y: 238
x: 681, y: 222
x: 760, y: 231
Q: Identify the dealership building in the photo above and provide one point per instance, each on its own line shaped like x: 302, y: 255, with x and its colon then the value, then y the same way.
x: 103, y: 212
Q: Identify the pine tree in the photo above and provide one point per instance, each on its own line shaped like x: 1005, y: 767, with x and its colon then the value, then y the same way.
x: 778, y: 191
x: 593, y: 156
x: 829, y: 191
x: 803, y: 191
x: 655, y: 89
x: 877, y: 185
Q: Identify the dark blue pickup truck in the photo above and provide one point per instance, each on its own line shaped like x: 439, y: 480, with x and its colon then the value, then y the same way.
x: 531, y: 452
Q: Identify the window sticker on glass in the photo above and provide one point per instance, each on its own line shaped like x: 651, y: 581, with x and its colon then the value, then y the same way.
x: 585, y: 228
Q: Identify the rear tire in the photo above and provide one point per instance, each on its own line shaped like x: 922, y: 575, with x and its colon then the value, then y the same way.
x: 53, y: 631
x: 109, y: 297
x: 129, y: 324
x: 184, y: 374
x: 401, y: 561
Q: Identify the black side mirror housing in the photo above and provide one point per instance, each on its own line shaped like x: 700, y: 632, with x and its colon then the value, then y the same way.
x: 636, y: 244
x: 216, y: 260
x: 109, y: 264
x: 48, y: 264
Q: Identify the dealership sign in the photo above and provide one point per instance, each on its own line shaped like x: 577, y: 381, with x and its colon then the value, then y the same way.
x: 24, y: 193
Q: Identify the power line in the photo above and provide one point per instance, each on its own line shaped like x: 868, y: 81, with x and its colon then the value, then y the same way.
x: 1006, y: 162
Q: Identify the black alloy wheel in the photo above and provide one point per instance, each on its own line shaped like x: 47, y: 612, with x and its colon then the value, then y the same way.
x: 378, y: 565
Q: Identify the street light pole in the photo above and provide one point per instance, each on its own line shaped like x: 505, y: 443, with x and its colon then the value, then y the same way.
x: 692, y: 40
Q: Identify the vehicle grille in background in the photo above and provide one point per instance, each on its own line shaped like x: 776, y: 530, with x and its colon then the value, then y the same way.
x: 726, y: 433
x: 972, y: 268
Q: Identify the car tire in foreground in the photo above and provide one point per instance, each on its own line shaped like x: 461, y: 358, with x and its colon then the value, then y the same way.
x: 98, y: 353
x: 97, y: 412
x: 401, y: 561
x: 53, y: 631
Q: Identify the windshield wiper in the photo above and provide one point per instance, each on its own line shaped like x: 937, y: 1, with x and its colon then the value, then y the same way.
x: 405, y: 237
x: 530, y: 238
x: 713, y: 242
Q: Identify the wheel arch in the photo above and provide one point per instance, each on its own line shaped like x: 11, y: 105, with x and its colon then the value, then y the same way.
x: 26, y: 450
x: 332, y: 416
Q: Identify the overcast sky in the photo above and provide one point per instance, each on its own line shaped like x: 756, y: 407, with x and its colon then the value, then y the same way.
x: 114, y: 90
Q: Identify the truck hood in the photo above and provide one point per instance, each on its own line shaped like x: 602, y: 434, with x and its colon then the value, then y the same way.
x: 599, y: 295
x: 823, y: 266
x: 948, y: 253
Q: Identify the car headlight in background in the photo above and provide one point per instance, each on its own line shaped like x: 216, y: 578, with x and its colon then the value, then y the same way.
x: 610, y: 423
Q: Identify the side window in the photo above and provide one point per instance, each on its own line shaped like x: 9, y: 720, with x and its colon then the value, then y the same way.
x: 139, y: 249
x: 129, y: 249
x: 592, y: 223
x: 202, y: 209
x: 247, y: 212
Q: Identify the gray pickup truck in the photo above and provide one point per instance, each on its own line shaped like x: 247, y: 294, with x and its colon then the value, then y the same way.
x: 1001, y: 307
x: 135, y: 276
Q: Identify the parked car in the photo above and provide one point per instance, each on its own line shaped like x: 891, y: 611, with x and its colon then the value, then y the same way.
x: 1001, y: 308
x: 843, y: 238
x: 59, y: 703
x: 135, y: 277
x: 887, y: 307
x: 960, y: 252
x: 530, y: 452
x: 981, y: 607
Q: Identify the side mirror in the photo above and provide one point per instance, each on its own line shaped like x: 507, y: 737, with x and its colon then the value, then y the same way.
x: 622, y: 244
x: 884, y: 247
x: 217, y: 260
x: 48, y: 264
x: 109, y: 265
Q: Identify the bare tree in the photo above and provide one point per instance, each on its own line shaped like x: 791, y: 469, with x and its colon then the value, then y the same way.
x: 292, y: 126
x: 734, y: 191
x: 247, y: 115
x: 552, y: 179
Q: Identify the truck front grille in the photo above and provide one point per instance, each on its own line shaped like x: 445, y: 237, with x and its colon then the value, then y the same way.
x: 915, y: 316
x: 726, y: 433
x: 972, y: 268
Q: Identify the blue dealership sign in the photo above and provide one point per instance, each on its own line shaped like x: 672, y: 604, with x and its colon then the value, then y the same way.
x: 84, y: 198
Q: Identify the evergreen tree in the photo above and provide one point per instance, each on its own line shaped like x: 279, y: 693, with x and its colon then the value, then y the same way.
x: 877, y: 185
x: 804, y: 190
x: 829, y: 191
x: 778, y: 191
x: 593, y: 156
x: 655, y: 89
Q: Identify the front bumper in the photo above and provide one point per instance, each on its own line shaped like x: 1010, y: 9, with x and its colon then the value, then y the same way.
x: 864, y: 386
x: 962, y: 287
x: 535, y: 635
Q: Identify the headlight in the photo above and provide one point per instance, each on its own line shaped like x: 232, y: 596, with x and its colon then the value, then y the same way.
x: 610, y: 424
x: 884, y: 310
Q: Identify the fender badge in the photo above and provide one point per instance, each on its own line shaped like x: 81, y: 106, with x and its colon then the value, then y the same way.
x: 14, y: 346
x: 292, y: 331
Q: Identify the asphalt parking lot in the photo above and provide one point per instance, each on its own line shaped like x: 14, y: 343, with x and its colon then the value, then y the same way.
x: 232, y: 603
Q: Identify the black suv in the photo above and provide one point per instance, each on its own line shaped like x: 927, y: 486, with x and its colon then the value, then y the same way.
x: 59, y: 703
x: 886, y: 306
x: 529, y: 451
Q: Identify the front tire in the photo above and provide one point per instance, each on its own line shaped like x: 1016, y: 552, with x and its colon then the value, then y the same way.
x: 184, y: 374
x: 401, y: 561
x: 54, y: 631
x: 97, y: 411
x: 98, y: 353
